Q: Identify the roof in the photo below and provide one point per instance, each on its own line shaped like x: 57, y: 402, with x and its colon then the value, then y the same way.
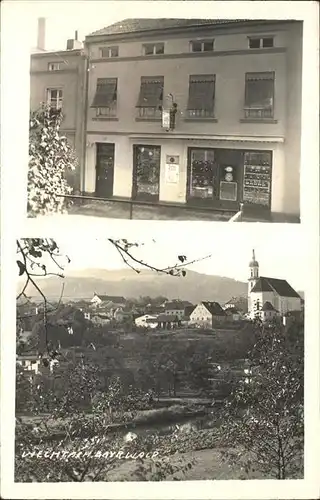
x: 147, y: 24
x: 232, y: 310
x: 214, y: 308
x: 179, y: 305
x: 281, y: 287
x: 267, y: 306
x: 28, y: 357
x: 170, y: 318
x: 110, y: 298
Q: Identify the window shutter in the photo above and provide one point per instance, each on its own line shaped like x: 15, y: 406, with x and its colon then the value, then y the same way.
x: 151, y: 93
x: 201, y: 93
x: 106, y: 93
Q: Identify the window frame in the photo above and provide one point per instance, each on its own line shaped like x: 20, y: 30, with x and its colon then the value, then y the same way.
x: 113, y: 108
x: 203, y: 112
x: 202, y: 43
x: 150, y: 112
x: 154, y: 48
x: 109, y: 48
x: 53, y: 63
x: 58, y: 100
x: 247, y: 108
x: 261, y: 39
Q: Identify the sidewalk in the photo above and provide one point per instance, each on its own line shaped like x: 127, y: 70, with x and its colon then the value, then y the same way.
x: 120, y: 210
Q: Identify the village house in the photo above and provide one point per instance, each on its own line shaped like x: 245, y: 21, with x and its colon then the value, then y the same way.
x: 207, y: 315
x: 177, y: 308
x: 269, y: 297
x: 57, y: 78
x: 29, y: 362
x: 110, y: 301
x: 168, y: 321
x: 233, y: 313
x: 195, y: 112
x: 146, y: 321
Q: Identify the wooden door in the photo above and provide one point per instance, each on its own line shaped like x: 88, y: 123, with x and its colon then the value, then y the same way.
x: 104, y: 170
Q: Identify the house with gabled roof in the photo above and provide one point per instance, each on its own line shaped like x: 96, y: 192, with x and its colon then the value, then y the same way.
x: 207, y: 314
x: 269, y: 296
x: 99, y: 299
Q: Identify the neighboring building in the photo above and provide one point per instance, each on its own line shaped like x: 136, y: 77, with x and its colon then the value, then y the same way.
x: 233, y: 313
x: 146, y: 321
x: 207, y: 315
x: 268, y: 312
x: 235, y: 136
x: 29, y: 362
x: 168, y: 321
x: 240, y: 303
x: 100, y: 319
x: 100, y: 300
x: 177, y: 308
x: 58, y: 79
x: 277, y: 292
x: 123, y: 314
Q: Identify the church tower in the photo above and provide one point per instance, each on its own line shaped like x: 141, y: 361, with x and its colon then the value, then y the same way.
x: 253, y: 277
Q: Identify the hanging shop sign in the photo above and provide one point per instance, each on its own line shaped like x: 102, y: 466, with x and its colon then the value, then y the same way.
x: 166, y: 118
x: 172, y: 169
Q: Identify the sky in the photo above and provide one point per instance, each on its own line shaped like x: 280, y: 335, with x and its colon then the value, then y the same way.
x: 280, y: 253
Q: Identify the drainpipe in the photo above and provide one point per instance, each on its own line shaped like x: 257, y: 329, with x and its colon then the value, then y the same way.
x: 85, y: 117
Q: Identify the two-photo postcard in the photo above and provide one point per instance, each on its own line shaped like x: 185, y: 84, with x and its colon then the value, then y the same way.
x: 160, y: 250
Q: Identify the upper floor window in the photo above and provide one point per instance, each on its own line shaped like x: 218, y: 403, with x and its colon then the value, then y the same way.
x: 260, y: 42
x: 109, y: 51
x: 54, y: 98
x: 54, y: 66
x: 152, y: 49
x: 201, y: 96
x: 150, y: 97
x: 259, y: 95
x: 105, y: 99
x: 202, y: 45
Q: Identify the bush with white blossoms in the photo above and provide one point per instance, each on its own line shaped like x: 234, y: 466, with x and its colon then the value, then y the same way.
x: 50, y: 157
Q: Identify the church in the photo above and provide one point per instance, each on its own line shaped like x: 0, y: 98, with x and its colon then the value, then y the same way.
x: 269, y: 297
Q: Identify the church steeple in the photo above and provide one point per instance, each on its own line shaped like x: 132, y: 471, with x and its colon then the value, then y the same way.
x: 254, y: 271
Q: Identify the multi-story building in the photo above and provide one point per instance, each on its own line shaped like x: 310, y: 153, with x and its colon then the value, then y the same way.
x: 236, y: 89
x: 58, y: 79
x: 183, y: 112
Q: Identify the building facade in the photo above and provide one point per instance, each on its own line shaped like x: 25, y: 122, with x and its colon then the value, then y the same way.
x: 58, y: 79
x: 208, y: 315
x: 235, y: 88
x: 269, y: 297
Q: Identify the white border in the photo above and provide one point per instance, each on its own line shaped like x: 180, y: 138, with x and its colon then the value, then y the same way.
x: 14, y: 146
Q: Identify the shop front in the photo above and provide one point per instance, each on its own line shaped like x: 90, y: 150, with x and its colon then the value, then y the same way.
x: 197, y: 174
x: 224, y: 178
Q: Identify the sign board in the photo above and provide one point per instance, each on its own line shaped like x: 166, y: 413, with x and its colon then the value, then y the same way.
x: 166, y: 118
x: 172, y: 173
x: 257, y: 184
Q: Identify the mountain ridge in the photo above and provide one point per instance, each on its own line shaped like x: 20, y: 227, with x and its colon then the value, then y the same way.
x: 194, y: 287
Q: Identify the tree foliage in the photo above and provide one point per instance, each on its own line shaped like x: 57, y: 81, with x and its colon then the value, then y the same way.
x: 264, y: 415
x: 50, y: 158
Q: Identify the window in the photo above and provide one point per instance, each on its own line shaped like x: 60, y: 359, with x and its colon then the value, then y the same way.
x: 152, y: 49
x: 105, y: 99
x: 150, y: 97
x: 201, y: 96
x: 261, y: 43
x: 202, y: 45
x: 54, y: 98
x: 109, y: 51
x: 54, y: 66
x: 259, y: 95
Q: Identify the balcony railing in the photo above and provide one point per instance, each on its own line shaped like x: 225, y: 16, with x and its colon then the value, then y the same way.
x: 258, y: 113
x: 200, y: 113
x: 107, y: 112
x: 145, y: 113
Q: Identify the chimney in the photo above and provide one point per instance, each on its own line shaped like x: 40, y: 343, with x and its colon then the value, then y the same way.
x: 41, y: 33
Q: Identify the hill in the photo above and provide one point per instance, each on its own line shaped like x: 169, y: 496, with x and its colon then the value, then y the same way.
x: 194, y: 287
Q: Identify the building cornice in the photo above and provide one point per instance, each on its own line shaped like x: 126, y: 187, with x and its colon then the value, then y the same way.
x: 186, y: 55
x: 192, y: 137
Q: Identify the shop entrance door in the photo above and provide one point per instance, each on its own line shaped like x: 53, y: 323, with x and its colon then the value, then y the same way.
x: 146, y: 173
x: 104, y: 169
